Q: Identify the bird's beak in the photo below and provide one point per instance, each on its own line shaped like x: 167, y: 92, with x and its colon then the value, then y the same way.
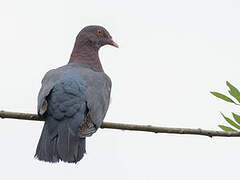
x: 111, y: 42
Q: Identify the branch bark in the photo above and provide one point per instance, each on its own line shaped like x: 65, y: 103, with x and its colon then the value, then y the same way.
x: 132, y: 127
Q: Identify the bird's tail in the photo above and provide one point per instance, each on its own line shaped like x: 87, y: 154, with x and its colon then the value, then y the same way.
x: 63, y: 144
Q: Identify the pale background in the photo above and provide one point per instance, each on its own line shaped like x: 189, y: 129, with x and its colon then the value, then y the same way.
x: 172, y: 53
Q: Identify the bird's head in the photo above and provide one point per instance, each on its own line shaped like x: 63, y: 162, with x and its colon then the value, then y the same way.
x: 95, y: 37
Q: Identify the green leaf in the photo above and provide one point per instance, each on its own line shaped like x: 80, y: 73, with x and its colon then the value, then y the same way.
x: 226, y: 128
x: 222, y: 96
x: 233, y: 91
x: 236, y: 117
x: 231, y: 122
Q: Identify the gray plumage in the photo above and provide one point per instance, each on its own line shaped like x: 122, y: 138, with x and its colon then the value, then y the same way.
x: 73, y: 101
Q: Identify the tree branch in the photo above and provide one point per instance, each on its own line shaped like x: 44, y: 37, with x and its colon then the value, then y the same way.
x: 132, y: 127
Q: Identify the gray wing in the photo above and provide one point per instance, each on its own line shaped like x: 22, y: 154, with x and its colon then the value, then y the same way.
x: 65, y: 113
x: 98, y: 89
x: 98, y: 98
x: 48, y: 83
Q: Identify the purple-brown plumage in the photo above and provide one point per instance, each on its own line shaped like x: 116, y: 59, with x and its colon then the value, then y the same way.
x: 74, y: 99
x: 87, y: 44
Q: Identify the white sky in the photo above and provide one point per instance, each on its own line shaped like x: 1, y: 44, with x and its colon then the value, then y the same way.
x: 172, y: 53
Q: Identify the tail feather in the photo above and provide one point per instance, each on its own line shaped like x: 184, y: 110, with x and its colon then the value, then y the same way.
x: 63, y: 145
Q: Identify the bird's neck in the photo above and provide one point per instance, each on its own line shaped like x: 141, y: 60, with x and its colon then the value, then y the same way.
x: 86, y: 56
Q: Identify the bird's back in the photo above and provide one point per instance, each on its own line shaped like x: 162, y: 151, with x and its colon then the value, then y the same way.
x: 70, y: 96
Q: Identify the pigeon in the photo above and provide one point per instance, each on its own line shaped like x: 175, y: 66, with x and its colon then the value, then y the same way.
x: 73, y: 99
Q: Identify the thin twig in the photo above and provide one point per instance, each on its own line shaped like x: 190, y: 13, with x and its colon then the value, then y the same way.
x: 132, y: 127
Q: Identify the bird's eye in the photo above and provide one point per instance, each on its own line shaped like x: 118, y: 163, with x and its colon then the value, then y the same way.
x: 99, y: 32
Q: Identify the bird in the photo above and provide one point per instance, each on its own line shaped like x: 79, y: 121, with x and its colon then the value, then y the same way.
x: 73, y: 99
